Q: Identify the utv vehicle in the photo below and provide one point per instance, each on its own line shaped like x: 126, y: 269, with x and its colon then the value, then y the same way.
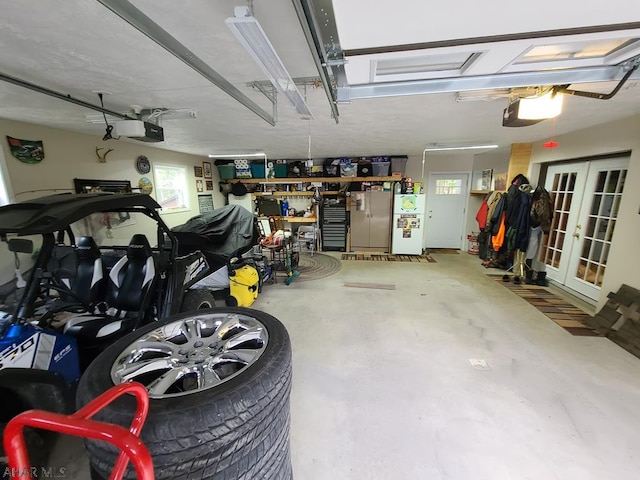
x: 104, y: 265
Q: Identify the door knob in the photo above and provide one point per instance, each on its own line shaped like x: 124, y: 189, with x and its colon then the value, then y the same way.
x: 578, y: 227
x: 576, y: 234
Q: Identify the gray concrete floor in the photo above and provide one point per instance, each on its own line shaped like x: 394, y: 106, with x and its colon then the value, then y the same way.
x: 383, y: 386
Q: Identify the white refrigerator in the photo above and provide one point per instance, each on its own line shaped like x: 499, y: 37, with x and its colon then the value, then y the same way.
x: 408, y: 224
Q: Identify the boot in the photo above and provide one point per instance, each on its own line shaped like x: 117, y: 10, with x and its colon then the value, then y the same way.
x: 541, y: 279
x: 529, y: 272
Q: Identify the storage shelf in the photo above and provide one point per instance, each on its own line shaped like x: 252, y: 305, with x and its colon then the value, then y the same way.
x: 480, y: 192
x: 313, y: 179
x: 297, y: 219
x: 292, y: 194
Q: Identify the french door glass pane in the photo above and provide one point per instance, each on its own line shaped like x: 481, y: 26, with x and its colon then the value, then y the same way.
x: 605, y: 204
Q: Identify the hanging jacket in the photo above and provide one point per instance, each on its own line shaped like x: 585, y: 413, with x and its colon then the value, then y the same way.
x: 492, y: 202
x: 513, y: 200
x: 498, y: 239
x: 482, y: 213
x: 496, y: 218
x: 541, y: 209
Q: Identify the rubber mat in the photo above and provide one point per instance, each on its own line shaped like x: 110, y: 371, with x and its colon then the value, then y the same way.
x: 566, y: 315
x: 388, y: 258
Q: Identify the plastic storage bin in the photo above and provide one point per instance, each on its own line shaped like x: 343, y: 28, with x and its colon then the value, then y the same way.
x: 380, y: 169
x: 227, y: 171
x: 281, y: 170
x: 257, y: 170
x: 398, y: 164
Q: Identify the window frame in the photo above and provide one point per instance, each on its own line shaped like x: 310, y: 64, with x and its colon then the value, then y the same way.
x: 185, y: 188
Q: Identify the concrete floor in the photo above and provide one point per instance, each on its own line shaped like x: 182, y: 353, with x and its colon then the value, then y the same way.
x: 384, y: 389
x: 383, y: 386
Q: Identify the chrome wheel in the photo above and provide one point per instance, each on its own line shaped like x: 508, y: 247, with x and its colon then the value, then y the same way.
x: 192, y: 354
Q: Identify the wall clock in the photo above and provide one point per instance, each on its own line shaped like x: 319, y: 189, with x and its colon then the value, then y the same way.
x: 143, y: 165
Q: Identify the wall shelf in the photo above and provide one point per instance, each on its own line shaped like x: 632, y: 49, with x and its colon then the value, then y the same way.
x: 313, y: 179
x: 480, y: 192
x: 292, y: 194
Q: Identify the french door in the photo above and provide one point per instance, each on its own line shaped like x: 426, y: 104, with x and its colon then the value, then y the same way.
x: 586, y: 199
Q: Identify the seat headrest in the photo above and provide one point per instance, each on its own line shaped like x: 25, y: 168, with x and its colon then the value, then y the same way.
x: 139, y: 248
x: 86, y: 249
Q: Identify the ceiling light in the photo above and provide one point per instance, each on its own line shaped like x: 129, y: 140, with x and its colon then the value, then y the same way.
x: 446, y: 148
x: 252, y: 37
x: 545, y: 106
x: 237, y: 155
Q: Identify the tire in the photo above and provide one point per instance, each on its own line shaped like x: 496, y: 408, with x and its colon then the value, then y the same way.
x: 197, y: 300
x: 237, y: 429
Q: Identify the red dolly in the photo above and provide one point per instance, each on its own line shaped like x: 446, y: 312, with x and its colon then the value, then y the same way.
x: 80, y: 424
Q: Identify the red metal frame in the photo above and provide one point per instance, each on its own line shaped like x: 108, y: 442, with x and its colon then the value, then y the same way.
x: 81, y: 425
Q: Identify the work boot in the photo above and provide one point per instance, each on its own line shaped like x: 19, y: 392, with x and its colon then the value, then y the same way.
x: 528, y: 277
x: 541, y: 279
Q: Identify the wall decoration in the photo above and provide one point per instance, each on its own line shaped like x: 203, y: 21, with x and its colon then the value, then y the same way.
x: 487, y: 174
x: 102, y: 157
x: 143, y: 165
x: 27, y: 151
x: 197, y: 170
x: 205, y: 203
x: 145, y: 185
x: 209, y: 184
x: 199, y: 186
x: 206, y: 167
x: 500, y: 182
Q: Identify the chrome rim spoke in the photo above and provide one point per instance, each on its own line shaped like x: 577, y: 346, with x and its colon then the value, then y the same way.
x: 241, y: 355
x: 229, y: 322
x: 165, y: 381
x: 207, y: 377
x: 254, y: 333
x: 133, y: 370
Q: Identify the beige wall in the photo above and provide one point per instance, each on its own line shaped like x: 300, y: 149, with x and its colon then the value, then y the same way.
x: 70, y: 155
x: 624, y: 260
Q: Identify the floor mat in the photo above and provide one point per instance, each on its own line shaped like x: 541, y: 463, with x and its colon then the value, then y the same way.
x: 317, y: 266
x: 568, y: 316
x: 388, y: 258
x: 444, y: 251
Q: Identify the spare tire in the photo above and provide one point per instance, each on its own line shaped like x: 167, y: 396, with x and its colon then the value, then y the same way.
x: 219, y: 383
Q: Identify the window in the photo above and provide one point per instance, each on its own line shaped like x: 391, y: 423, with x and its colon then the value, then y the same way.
x: 448, y: 187
x: 171, y: 187
x: 4, y: 193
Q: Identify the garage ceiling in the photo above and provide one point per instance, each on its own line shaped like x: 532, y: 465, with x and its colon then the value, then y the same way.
x: 79, y: 47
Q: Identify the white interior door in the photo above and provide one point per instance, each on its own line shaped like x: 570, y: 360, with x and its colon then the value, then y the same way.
x: 587, y: 199
x: 565, y: 183
x: 447, y: 198
x: 594, y: 230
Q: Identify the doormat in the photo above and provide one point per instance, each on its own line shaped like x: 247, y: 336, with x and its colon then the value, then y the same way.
x: 388, y: 258
x: 317, y: 266
x: 568, y: 316
x: 444, y: 251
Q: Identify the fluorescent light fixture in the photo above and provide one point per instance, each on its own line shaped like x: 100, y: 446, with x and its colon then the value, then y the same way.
x: 545, y: 106
x: 238, y: 155
x: 444, y: 148
x: 252, y: 37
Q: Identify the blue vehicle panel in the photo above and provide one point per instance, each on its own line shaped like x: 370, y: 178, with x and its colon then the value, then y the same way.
x: 25, y: 346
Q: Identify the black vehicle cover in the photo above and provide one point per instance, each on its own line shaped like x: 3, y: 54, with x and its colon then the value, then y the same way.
x: 218, y: 234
